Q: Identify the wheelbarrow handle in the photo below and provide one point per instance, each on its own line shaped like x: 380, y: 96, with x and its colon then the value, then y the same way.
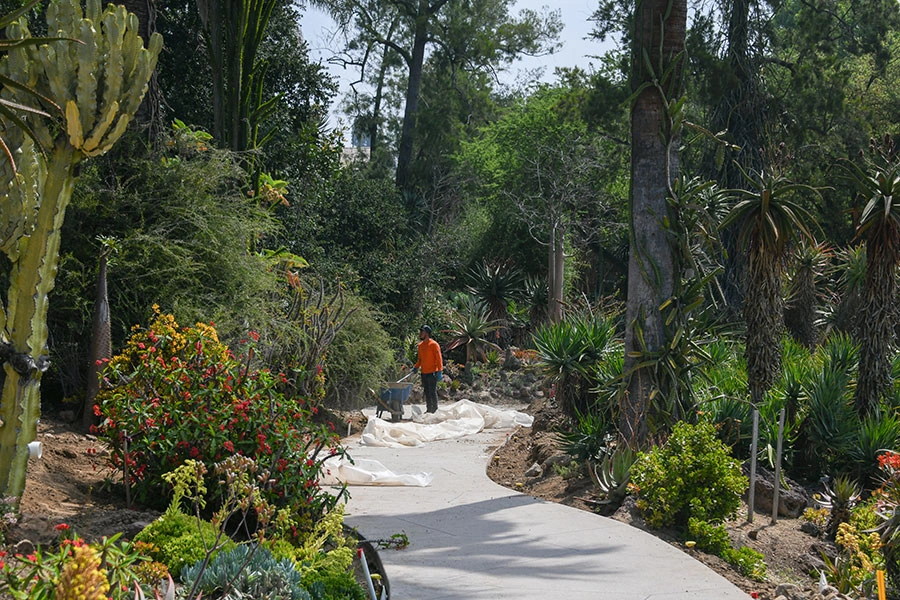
x: 405, y: 376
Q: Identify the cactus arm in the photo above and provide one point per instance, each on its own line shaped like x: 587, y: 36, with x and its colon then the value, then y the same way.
x: 87, y: 77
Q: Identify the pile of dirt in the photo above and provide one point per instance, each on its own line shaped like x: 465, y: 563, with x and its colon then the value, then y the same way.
x: 530, y: 462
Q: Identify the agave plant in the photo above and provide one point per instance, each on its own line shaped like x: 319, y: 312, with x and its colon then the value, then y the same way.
x: 570, y: 350
x: 470, y: 328
x: 495, y: 284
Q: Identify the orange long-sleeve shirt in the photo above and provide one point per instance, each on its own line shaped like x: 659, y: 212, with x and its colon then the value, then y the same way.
x: 430, y: 360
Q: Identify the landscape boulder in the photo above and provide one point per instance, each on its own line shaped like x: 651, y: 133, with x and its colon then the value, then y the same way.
x: 792, y: 501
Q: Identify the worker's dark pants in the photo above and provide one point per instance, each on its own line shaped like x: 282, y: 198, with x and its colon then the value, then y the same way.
x: 429, y: 382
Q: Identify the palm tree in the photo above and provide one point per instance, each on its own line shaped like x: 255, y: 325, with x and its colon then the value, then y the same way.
x: 879, y: 225
x: 767, y: 219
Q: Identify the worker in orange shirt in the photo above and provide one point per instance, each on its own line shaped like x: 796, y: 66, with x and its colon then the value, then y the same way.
x: 431, y: 365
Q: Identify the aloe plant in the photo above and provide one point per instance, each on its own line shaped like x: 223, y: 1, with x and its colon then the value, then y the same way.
x: 99, y: 82
x: 613, y: 474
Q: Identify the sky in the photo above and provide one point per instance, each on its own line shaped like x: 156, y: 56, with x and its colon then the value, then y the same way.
x: 320, y: 32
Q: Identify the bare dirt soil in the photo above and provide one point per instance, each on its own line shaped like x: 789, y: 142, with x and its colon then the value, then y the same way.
x: 790, y: 554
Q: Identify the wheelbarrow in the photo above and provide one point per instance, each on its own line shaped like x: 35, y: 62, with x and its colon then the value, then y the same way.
x: 391, y: 398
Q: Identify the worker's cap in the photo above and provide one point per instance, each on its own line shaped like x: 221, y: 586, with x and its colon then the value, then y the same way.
x: 426, y: 329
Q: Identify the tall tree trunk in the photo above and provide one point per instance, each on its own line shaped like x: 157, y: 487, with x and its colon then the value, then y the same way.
x: 101, y: 343
x: 658, y: 41
x: 876, y: 331
x: 149, y: 114
x: 416, y: 63
x: 411, y: 110
x: 556, y: 270
x: 741, y: 113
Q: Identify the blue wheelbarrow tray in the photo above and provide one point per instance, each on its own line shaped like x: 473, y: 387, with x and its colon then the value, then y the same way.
x: 391, y: 399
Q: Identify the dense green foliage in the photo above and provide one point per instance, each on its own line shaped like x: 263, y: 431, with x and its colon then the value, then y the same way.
x: 179, y: 540
x: 692, y: 475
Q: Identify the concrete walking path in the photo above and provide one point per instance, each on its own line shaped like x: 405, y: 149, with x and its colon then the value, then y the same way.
x: 472, y: 539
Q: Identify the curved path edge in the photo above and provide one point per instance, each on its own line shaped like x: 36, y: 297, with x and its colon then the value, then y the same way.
x: 472, y: 539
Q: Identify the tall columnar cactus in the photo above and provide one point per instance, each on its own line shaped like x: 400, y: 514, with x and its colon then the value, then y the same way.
x: 99, y: 83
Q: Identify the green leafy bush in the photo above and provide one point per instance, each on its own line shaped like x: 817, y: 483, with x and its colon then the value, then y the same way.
x: 692, y: 475
x: 177, y: 393
x: 359, y: 358
x: 749, y: 562
x: 713, y: 539
x: 178, y: 540
x: 246, y: 571
x: 332, y: 584
x: 710, y: 538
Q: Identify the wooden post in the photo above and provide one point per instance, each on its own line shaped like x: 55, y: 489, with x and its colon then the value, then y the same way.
x: 777, y: 490
x: 754, y: 443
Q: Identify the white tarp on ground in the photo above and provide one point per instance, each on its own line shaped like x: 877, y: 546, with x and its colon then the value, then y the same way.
x: 365, y: 471
x: 456, y: 420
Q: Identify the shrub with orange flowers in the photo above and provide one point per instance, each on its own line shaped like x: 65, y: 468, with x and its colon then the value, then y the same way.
x: 177, y: 393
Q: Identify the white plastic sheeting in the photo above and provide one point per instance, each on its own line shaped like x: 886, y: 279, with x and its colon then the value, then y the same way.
x: 456, y: 420
x: 365, y: 471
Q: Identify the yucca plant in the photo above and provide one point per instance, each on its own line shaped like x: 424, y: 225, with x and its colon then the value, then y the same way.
x: 843, y: 312
x: 879, y: 188
x: 537, y: 299
x: 768, y: 218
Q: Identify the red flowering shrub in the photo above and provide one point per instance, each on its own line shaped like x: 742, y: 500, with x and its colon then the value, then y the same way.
x: 178, y: 393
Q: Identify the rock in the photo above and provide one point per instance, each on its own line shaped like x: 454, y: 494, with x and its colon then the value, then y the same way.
x: 811, y: 563
x: 791, y: 501
x: 628, y: 513
x: 511, y: 361
x: 560, y: 459
x: 25, y: 547
x: 811, y: 528
x: 534, y: 470
x: 790, y: 592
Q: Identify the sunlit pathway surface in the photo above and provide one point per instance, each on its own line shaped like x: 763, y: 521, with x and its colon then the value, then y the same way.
x: 471, y: 539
